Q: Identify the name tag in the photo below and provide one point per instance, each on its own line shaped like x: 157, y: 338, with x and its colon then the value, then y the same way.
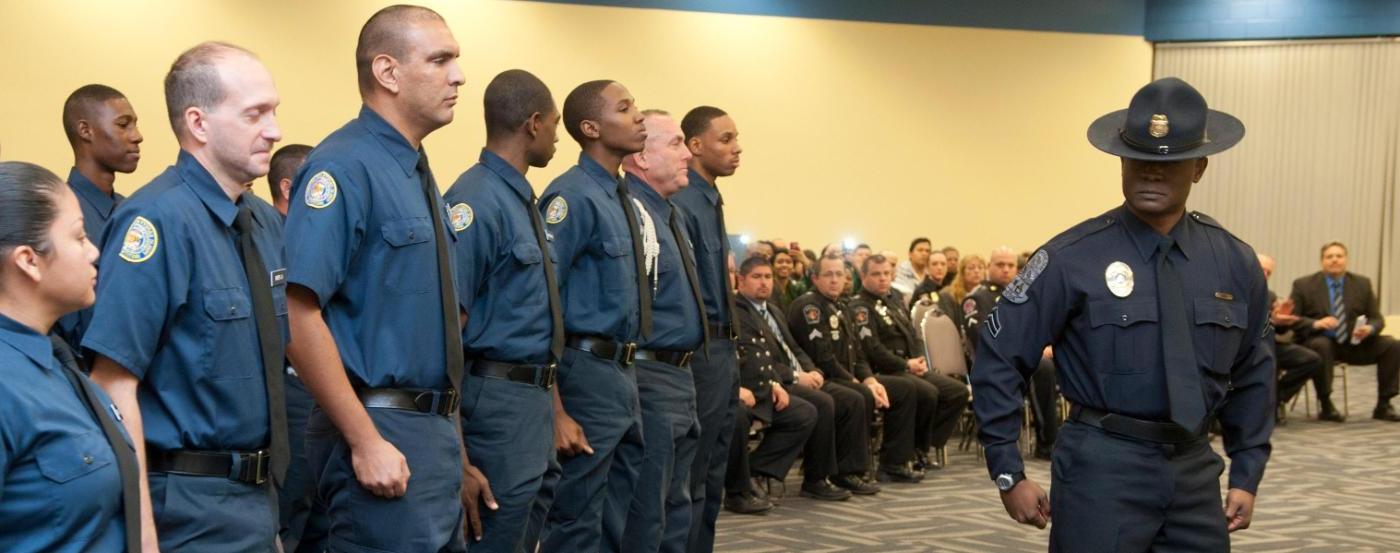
x: 1225, y: 296
x: 279, y: 278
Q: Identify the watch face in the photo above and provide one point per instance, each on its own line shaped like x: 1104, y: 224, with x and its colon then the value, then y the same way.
x: 1004, y: 482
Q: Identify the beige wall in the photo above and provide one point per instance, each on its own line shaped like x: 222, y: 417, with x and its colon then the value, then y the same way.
x: 876, y: 131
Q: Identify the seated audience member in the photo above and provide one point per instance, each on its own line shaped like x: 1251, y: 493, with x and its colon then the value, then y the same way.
x: 971, y: 270
x: 1340, y: 319
x: 761, y: 248
x: 975, y: 309
x: 951, y: 254
x: 937, y: 272
x: 912, y: 272
x: 838, y: 446
x: 1296, y: 364
x: 788, y: 422
x: 892, y: 345
x: 823, y: 327
x: 788, y: 281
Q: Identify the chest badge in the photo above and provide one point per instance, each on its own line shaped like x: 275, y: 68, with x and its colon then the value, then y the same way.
x: 1119, y: 277
x: 835, y: 327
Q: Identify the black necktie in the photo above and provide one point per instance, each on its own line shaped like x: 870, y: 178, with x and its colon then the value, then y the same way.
x: 451, y: 317
x: 1178, y: 353
x: 643, y: 291
x: 126, y: 456
x: 556, y: 311
x: 724, y: 265
x: 688, y: 259
x: 269, y: 341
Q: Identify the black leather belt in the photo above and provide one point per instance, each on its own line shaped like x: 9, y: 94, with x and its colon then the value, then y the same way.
x: 249, y: 467
x: 669, y: 357
x: 538, y: 375
x: 436, y: 402
x: 1152, y: 431
x: 721, y: 331
x: 622, y: 353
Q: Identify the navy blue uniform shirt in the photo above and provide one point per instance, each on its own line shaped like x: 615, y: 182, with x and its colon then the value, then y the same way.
x: 499, y: 265
x: 676, y: 322
x: 588, y: 232
x: 1108, y: 346
x: 97, y: 208
x: 174, y: 308
x: 700, y: 203
x: 60, y: 489
x: 362, y: 241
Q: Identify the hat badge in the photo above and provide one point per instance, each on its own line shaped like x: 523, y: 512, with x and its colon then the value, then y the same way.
x: 1159, y: 126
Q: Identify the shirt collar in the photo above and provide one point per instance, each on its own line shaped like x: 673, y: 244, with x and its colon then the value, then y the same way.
x: 594, y: 169
x: 90, y: 193
x: 23, y: 339
x: 508, y: 173
x: 708, y: 188
x: 1333, y: 282
x: 1188, y: 237
x: 391, y: 139
x: 643, y: 191
x: 206, y: 188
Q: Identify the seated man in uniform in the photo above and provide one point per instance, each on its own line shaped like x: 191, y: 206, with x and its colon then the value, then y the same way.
x: 893, y: 346
x: 788, y: 420
x: 828, y: 335
x: 1296, y: 364
x: 1002, y: 267
x: 839, y: 443
x: 1340, y: 319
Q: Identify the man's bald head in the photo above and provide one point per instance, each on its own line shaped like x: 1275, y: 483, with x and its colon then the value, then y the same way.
x: 383, y: 35
x: 194, y: 81
x: 1266, y: 262
x: 1001, y: 266
x: 83, y: 104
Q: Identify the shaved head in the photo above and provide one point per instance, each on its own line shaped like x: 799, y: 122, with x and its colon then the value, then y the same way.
x: 82, y: 105
x: 383, y: 35
x: 584, y: 103
x: 194, y: 81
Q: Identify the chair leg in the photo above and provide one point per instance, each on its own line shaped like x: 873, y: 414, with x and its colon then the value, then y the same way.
x: 1346, y: 395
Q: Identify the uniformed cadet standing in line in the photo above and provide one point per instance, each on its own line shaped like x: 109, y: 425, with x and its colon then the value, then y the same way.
x: 659, y: 518
x: 68, y: 474
x: 1147, y: 356
x: 713, y: 140
x: 375, y: 317
x: 594, y: 230
x: 821, y: 322
x: 893, y: 346
x: 190, y: 323
x: 514, y: 334
x: 101, y: 127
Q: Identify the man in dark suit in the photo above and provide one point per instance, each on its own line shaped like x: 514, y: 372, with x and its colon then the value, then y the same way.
x: 838, y: 444
x: 1340, y: 318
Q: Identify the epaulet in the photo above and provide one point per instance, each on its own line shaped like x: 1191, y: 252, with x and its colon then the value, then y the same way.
x: 1209, y: 221
x: 1081, y: 231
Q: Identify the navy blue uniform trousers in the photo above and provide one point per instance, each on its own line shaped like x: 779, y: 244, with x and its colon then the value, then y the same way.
x: 1113, y: 494
x: 716, y: 396
x: 303, y: 520
x: 426, y: 519
x: 212, y: 513
x: 509, y: 432
x: 659, y: 519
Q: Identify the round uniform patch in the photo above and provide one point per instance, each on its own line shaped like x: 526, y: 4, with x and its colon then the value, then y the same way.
x: 140, y: 242
x: 321, y: 190
x: 811, y: 314
x: 969, y: 307
x: 862, y: 315
x: 557, y: 211
x: 462, y: 217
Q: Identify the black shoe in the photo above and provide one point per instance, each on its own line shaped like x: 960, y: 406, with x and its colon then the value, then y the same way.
x: 747, y: 504
x: 855, y: 484
x: 1042, y: 452
x: 823, y: 491
x: 1329, y: 412
x: 1384, y: 412
x: 900, y: 473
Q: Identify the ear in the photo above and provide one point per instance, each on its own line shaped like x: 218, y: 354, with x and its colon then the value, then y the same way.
x: 693, y: 145
x: 1200, y: 169
x: 533, y: 125
x: 84, y: 130
x: 385, y: 70
x: 26, y: 259
x: 590, y: 129
x: 285, y: 187
x: 641, y: 159
x: 196, y: 124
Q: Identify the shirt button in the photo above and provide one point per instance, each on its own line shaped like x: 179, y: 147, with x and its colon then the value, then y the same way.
x: 1125, y: 317
x: 233, y: 310
x: 87, y: 459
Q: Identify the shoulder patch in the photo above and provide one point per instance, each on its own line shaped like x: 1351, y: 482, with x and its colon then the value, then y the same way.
x: 862, y: 315
x: 141, y: 241
x: 461, y: 216
x: 1016, y: 292
x: 556, y: 212
x: 969, y: 307
x: 812, y: 314
x: 321, y: 190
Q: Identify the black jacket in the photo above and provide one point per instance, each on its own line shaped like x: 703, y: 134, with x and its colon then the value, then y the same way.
x: 887, y: 336
x: 823, y: 328
x: 1310, y: 302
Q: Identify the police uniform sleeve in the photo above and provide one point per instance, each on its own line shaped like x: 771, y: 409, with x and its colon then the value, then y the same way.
x: 860, y: 368
x: 326, y: 224
x: 1247, y: 419
x: 143, y: 279
x: 1029, y: 317
x: 569, y: 219
x: 476, y: 222
x: 880, y: 358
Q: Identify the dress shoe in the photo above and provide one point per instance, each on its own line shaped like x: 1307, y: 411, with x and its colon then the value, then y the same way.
x: 823, y: 490
x: 1384, y: 412
x: 903, y: 474
x: 855, y: 484
x: 1330, y: 414
x: 747, y: 504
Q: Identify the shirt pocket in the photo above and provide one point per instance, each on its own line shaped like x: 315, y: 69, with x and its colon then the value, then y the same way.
x: 614, y: 271
x: 1130, y: 327
x: 529, y: 268
x: 410, y: 264
x: 1219, y: 331
x: 67, y: 462
x: 232, y: 347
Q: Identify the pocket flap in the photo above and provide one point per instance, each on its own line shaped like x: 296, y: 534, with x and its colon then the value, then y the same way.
x: 616, y: 247
x: 227, y: 304
x: 1229, y: 314
x: 72, y: 456
x: 407, y: 231
x: 526, y: 253
x: 1122, y: 312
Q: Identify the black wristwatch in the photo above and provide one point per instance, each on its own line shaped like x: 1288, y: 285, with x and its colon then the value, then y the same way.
x: 1007, y: 480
